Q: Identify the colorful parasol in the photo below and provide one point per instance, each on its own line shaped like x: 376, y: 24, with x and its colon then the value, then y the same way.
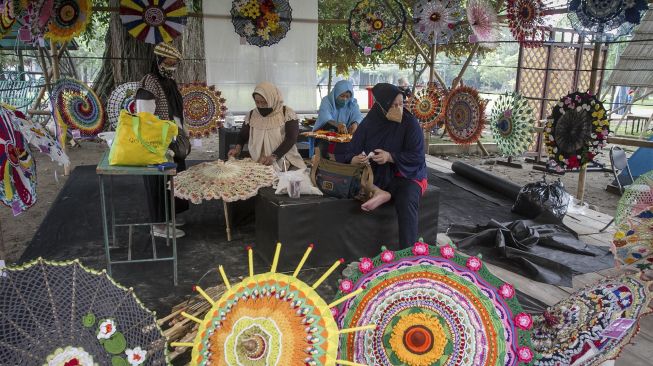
x: 153, y: 21
x: 230, y: 181
x: 270, y: 319
x: 7, y: 17
x: 76, y: 105
x: 432, y: 306
x: 608, y: 17
x: 35, y: 16
x: 594, y: 324
x: 526, y: 22
x: 69, y: 19
x: 578, y: 130
x: 436, y: 20
x: 483, y: 21
x: 37, y: 136
x: 512, y: 124
x: 464, y: 115
x: 17, y: 166
x: 426, y: 105
x: 121, y: 98
x: 64, y: 314
x: 261, y: 22
x: 204, y: 109
x: 376, y: 25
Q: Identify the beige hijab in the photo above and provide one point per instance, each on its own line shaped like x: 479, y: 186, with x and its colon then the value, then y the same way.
x: 267, y: 133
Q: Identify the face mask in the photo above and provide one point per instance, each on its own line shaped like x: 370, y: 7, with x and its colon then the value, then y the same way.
x: 167, y: 71
x: 395, y: 114
x: 340, y: 103
x: 264, y: 111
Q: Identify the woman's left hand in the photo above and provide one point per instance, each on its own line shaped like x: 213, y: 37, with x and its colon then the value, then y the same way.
x: 381, y: 157
x: 267, y: 160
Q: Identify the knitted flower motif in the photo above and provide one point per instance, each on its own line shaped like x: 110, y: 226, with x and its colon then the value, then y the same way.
x: 447, y: 251
x: 506, y: 291
x: 251, y: 10
x: 523, y: 321
x: 334, y: 312
x: 107, y: 329
x: 420, y: 249
x: 524, y: 354
x: 474, y: 263
x: 387, y: 256
x: 365, y: 265
x: 135, y: 356
x: 249, y: 29
x: 346, y: 286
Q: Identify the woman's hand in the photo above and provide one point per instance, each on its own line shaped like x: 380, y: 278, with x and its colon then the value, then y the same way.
x: 267, y: 160
x: 381, y: 157
x: 353, y: 128
x: 359, y: 159
x: 235, y: 152
x: 342, y: 128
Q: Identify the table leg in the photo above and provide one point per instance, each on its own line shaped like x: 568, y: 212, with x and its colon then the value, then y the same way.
x: 105, y: 229
x: 225, y: 204
x: 174, y: 230
x: 129, y: 243
x: 112, y: 208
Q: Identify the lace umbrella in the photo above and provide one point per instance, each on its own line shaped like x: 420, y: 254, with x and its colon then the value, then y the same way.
x: 69, y: 19
x: 153, y: 21
x: 612, y: 18
x: 464, y: 115
x: 426, y: 106
x: 204, y: 109
x: 435, y: 20
x: 376, y: 25
x: 431, y: 306
x: 7, y: 17
x: 512, y: 122
x: 37, y: 136
x: 121, y: 98
x: 262, y: 23
x: 77, y: 106
x: 633, y: 240
x: 62, y: 313
x: 483, y: 21
x: 526, y: 22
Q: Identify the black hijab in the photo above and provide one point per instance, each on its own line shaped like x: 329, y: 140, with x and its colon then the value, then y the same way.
x: 171, y: 91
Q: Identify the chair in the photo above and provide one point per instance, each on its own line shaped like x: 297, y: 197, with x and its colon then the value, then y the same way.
x: 619, y: 162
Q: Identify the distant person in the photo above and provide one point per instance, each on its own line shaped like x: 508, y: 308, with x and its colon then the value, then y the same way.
x: 404, y: 86
x: 339, y: 112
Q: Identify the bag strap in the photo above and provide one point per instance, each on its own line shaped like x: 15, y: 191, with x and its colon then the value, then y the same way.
x: 136, y: 123
x: 315, y: 162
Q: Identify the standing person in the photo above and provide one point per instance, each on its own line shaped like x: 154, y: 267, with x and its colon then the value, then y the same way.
x: 270, y: 130
x: 160, y: 96
x: 395, y: 137
x: 339, y: 112
x: 404, y: 86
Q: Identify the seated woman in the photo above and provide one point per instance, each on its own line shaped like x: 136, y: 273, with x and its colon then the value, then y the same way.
x: 396, y: 140
x: 270, y: 131
x: 339, y: 112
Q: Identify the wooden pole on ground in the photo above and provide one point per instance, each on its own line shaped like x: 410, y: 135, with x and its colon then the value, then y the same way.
x: 432, y: 73
x: 55, y: 77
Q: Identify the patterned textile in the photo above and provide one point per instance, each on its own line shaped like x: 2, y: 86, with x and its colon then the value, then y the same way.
x: 464, y: 115
x: 575, y: 331
x: 261, y: 22
x: 69, y: 19
x: 432, y: 306
x: 151, y: 83
x: 122, y: 97
x: 35, y: 20
x: 63, y: 314
x: 612, y: 18
x: 436, y: 20
x: 77, y: 106
x: 426, y: 106
x: 526, y: 22
x: 7, y: 17
x: 37, y: 136
x: 376, y: 25
x: 633, y: 240
x: 204, y: 109
x: 512, y: 122
x: 153, y: 21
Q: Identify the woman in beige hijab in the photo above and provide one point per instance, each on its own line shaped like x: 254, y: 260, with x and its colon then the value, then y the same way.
x: 270, y: 131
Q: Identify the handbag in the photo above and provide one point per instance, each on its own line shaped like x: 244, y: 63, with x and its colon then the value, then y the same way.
x: 342, y: 180
x: 141, y: 139
x: 181, y: 145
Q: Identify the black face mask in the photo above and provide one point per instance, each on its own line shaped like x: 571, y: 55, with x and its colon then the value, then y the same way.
x: 264, y: 111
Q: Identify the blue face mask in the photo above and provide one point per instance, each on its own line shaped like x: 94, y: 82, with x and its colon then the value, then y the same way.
x: 340, y: 103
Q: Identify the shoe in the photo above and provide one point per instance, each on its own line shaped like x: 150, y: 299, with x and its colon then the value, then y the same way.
x: 160, y: 231
x: 179, y: 221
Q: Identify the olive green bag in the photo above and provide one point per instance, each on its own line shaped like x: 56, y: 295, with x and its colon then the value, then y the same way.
x: 342, y: 180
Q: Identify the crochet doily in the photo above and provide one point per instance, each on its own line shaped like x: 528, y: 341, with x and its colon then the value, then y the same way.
x: 76, y: 105
x: 464, y: 115
x: 261, y: 22
x: 512, y: 122
x: 376, y: 25
x: 204, y: 109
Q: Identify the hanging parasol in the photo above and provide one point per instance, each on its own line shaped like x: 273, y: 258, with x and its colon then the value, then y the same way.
x: 483, y: 21
x: 578, y: 130
x: 153, y: 21
x: 204, y: 109
x: 35, y: 16
x: 76, y: 105
x: 432, y: 306
x: 7, y: 17
x: 611, y: 18
x: 62, y: 313
x: 69, y: 19
x: 376, y: 25
x: 17, y: 166
x: 121, y: 98
x: 512, y: 122
x: 464, y: 115
x: 526, y: 22
x: 268, y: 319
x: 37, y: 136
x: 230, y: 181
x: 261, y: 23
x: 436, y: 20
x: 593, y: 325
x: 426, y: 106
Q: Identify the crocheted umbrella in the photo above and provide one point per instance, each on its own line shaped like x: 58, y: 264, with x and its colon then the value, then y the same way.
x: 204, y: 109
x: 37, y: 136
x: 7, y: 17
x: 230, y: 181
x: 612, y: 18
x: 426, y: 105
x: 121, y: 98
x: 262, y: 23
x: 376, y: 25
x: 482, y: 19
x: 432, y: 306
x: 464, y: 115
x: 270, y: 319
x: 512, y: 122
x: 62, y: 313
x: 526, y: 22
x: 69, y: 19
x: 76, y: 105
x: 17, y: 166
x: 594, y: 324
x: 435, y: 20
x: 153, y: 21
x: 578, y: 130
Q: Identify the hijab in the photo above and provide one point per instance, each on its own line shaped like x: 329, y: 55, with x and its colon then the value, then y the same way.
x: 171, y: 91
x: 329, y: 110
x: 277, y: 117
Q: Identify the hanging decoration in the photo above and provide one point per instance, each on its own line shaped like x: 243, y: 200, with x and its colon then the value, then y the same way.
x: 431, y: 306
x: 36, y: 15
x: 464, y: 115
x: 17, y: 167
x: 37, y: 136
x: 612, y: 18
x: 633, y: 240
x: 483, y: 21
x: 577, y: 132
x: 153, y: 21
x: 7, y: 17
x: 261, y: 22
x: 526, y: 22
x: 122, y: 97
x: 376, y: 25
x: 270, y: 319
x: 69, y: 19
x: 426, y: 105
x: 204, y: 109
x: 436, y: 20
x: 512, y: 123
x: 77, y: 106
x: 77, y: 316
x: 593, y: 325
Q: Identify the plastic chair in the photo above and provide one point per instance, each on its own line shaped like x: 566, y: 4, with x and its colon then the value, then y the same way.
x: 619, y: 162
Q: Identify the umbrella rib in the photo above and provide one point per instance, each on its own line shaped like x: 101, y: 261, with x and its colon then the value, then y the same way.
x: 26, y: 306
x: 22, y: 351
x: 22, y: 331
x: 54, y: 312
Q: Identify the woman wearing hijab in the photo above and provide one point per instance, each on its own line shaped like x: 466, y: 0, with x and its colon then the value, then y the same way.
x: 395, y: 138
x: 270, y: 131
x: 339, y: 112
x: 160, y: 96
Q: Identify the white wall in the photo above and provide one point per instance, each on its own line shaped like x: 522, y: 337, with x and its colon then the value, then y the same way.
x: 236, y: 68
